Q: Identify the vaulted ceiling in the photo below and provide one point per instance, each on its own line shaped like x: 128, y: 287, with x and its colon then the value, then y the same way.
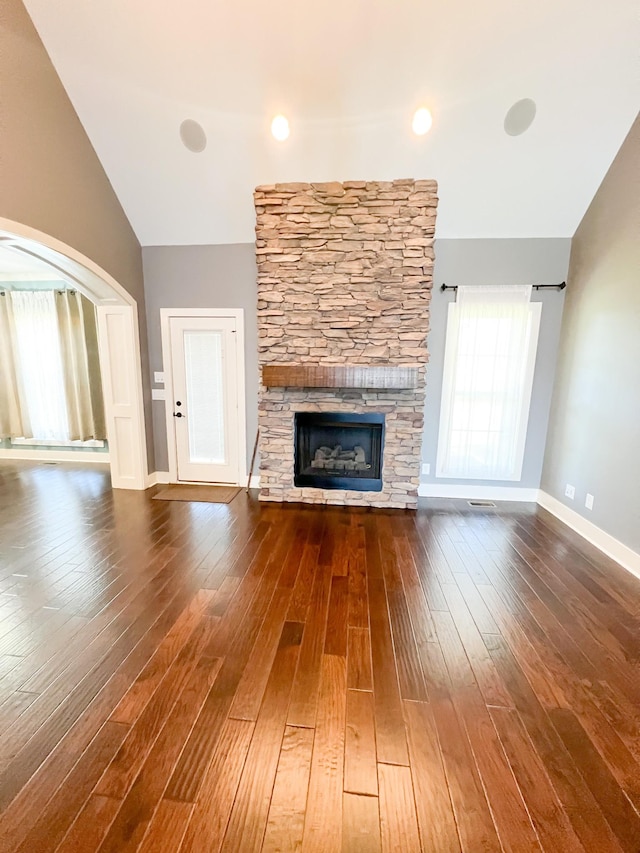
x: 348, y: 74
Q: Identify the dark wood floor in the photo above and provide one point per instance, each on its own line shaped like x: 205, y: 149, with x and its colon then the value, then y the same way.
x: 244, y: 677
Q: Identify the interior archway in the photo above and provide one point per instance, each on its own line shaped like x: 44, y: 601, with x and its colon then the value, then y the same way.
x: 119, y: 345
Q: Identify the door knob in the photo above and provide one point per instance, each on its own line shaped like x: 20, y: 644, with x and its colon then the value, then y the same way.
x: 178, y: 415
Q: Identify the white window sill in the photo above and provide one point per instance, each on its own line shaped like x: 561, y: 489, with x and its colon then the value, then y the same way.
x: 55, y: 442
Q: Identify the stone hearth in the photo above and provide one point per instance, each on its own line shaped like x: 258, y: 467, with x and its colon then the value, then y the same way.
x: 344, y: 281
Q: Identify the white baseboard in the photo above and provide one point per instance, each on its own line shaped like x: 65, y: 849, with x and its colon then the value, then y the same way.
x: 480, y: 493
x: 54, y: 455
x: 160, y: 478
x: 157, y: 478
x: 606, y: 543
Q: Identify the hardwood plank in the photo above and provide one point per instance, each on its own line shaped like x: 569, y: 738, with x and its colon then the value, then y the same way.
x: 336, y: 635
x: 357, y: 578
x: 360, y: 773
x: 618, y: 811
x: 410, y: 676
x: 135, y: 699
x: 210, y: 815
x: 56, y: 818
x: 187, y: 777
x: 530, y: 653
x: 167, y: 827
x: 285, y: 822
x: 67, y: 696
x: 103, y: 631
x: 509, y: 812
x: 304, y: 693
x: 119, y: 776
x: 90, y: 825
x: 323, y: 819
x: 581, y: 808
x: 223, y: 595
x: 398, y: 821
x: 360, y: 824
x: 473, y: 817
x: 16, y: 702
x: 294, y: 557
x: 485, y: 673
x: 138, y: 807
x: 485, y: 622
x: 553, y: 827
x: 58, y: 745
x: 248, y: 818
x: 252, y: 684
x: 435, y: 815
x: 227, y: 550
x: 359, y: 659
x: 303, y: 585
x: 416, y: 601
x: 388, y: 555
x: 258, y: 577
x: 390, y: 732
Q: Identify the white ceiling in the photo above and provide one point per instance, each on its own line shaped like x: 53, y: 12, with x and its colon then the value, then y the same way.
x: 348, y: 74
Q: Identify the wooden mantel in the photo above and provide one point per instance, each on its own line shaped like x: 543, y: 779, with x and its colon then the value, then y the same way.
x: 363, y: 376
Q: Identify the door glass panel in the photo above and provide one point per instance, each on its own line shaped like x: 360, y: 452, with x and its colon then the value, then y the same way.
x: 205, y: 396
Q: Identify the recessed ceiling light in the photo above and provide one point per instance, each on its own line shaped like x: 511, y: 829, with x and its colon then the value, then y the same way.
x: 422, y: 121
x: 193, y: 136
x: 280, y: 128
x: 520, y: 117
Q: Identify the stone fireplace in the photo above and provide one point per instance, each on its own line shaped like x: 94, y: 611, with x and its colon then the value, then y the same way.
x: 344, y: 284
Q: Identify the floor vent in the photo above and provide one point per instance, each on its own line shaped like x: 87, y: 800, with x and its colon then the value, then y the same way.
x: 482, y: 503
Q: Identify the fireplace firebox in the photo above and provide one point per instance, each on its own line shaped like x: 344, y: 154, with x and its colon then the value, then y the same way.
x: 335, y: 450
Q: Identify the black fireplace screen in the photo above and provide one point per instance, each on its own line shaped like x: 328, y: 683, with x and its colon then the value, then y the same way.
x: 339, y: 451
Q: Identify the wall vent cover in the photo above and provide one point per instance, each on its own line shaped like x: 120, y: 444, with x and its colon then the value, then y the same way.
x: 481, y: 503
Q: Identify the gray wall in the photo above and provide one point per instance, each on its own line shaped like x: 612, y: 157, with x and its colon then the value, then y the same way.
x: 225, y: 277
x: 508, y: 261
x: 594, y: 431
x: 50, y: 176
x: 202, y: 277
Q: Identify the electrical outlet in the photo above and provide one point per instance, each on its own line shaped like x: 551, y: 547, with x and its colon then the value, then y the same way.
x: 589, y: 501
x: 158, y: 377
x: 426, y: 468
x: 570, y: 491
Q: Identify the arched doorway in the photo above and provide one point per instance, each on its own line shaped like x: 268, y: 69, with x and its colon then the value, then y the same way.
x: 119, y: 346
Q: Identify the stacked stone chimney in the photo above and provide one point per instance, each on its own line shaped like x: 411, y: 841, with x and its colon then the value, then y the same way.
x: 344, y: 278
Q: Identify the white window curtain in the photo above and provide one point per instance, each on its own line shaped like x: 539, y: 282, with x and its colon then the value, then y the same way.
x: 40, y: 362
x: 76, y: 318
x: 14, y: 417
x: 492, y: 337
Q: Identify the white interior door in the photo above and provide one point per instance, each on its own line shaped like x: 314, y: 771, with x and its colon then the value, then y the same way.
x: 204, y: 407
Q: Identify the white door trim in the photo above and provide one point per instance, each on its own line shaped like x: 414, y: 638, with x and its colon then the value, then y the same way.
x: 238, y: 315
x: 120, y: 363
x: 125, y: 432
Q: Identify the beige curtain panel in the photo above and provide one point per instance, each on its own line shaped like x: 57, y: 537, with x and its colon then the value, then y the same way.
x: 83, y: 384
x: 14, y: 416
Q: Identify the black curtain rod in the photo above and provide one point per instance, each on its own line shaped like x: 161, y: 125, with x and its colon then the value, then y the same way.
x: 560, y: 286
